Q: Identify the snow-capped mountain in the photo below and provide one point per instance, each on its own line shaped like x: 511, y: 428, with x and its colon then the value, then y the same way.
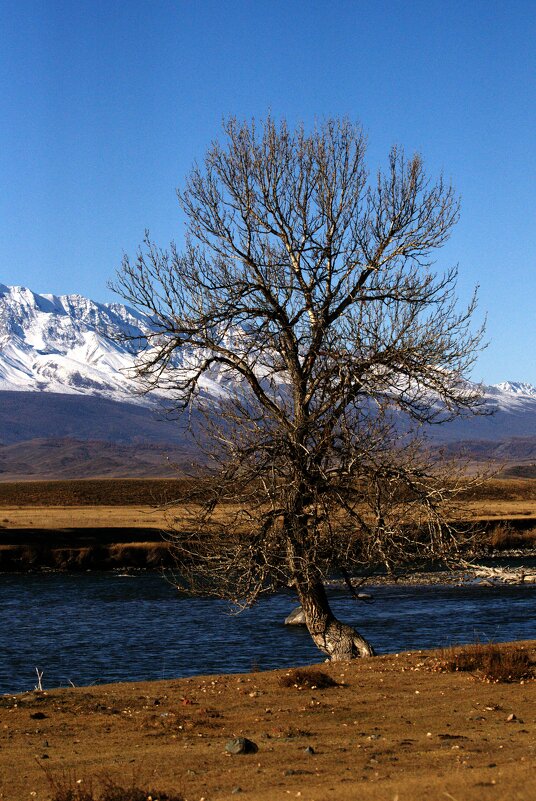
x: 519, y: 388
x: 69, y: 344
x: 72, y: 346
x: 66, y: 344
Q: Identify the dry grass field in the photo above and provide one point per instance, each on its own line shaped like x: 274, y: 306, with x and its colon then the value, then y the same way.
x: 393, y: 728
x: 95, y: 492
x: 138, y: 503
x: 77, y: 517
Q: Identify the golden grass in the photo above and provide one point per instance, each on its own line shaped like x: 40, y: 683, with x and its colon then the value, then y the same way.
x: 58, y: 517
x: 67, y: 788
x: 505, y: 510
x: 504, y: 536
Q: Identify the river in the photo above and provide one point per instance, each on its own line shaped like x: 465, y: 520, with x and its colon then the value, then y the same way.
x: 102, y: 627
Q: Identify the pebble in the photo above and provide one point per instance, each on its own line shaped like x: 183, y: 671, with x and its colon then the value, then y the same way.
x: 309, y: 750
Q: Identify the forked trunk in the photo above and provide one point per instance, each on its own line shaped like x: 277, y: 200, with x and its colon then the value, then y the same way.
x: 338, y: 640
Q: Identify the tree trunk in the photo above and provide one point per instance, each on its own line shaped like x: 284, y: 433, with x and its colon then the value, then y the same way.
x: 338, y: 640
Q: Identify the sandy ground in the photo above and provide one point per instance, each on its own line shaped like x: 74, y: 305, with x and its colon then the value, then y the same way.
x: 393, y: 731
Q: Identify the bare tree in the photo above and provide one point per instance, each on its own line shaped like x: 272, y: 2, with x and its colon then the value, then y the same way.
x: 305, y: 291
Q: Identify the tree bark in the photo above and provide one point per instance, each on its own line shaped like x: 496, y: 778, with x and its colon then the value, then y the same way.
x: 338, y: 640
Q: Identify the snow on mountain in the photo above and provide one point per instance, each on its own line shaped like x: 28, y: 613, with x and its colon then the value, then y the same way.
x: 518, y: 388
x: 511, y: 397
x: 66, y: 344
x: 69, y: 344
x: 72, y: 345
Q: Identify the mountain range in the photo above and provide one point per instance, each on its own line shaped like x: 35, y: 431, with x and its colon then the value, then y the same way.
x: 70, y: 405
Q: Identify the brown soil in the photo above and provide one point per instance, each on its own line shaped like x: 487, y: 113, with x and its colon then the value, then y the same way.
x: 394, y: 730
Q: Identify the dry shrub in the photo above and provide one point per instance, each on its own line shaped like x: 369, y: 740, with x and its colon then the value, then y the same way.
x: 490, y: 661
x: 307, y: 677
x: 504, y: 536
x: 66, y: 788
x: 100, y: 491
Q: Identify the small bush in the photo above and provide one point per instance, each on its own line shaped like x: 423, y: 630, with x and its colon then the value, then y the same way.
x: 307, y: 677
x: 490, y: 661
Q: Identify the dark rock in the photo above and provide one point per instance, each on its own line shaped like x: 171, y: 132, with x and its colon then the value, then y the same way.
x: 309, y: 750
x: 241, y: 745
x: 236, y: 790
x: 38, y: 715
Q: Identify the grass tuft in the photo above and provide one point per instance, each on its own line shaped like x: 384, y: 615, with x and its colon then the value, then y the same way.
x: 307, y: 677
x: 491, y: 662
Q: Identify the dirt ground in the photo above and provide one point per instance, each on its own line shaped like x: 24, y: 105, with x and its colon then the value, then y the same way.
x: 394, y: 730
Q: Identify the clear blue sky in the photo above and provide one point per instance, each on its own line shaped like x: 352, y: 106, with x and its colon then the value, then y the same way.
x: 105, y: 105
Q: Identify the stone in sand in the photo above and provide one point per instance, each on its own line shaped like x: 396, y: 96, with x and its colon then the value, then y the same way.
x: 241, y: 745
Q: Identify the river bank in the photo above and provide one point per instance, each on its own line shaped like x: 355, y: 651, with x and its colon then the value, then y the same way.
x: 393, y: 728
x: 113, y: 547
x: 81, y: 549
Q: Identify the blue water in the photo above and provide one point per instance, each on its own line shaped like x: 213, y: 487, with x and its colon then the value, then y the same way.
x: 101, y: 627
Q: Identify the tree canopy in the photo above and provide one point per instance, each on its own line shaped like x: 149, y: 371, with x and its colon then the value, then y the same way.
x: 305, y: 324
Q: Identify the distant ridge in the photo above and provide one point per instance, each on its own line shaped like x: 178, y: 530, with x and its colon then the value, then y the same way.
x: 517, y: 388
x: 71, y: 459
